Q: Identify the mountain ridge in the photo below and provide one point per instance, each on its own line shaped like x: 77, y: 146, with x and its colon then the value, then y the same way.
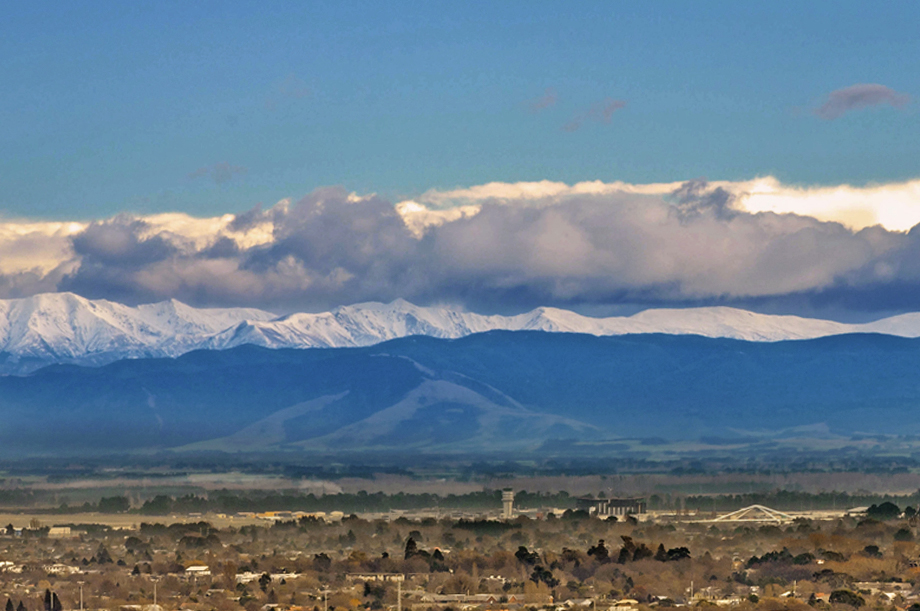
x: 56, y: 328
x: 495, y: 392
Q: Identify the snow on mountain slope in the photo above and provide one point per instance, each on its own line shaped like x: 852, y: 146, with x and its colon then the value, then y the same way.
x: 366, y: 324
x: 359, y: 325
x: 66, y: 328
x: 905, y: 325
x: 737, y: 324
x: 62, y: 327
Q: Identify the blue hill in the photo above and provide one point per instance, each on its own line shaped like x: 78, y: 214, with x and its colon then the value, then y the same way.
x: 427, y: 395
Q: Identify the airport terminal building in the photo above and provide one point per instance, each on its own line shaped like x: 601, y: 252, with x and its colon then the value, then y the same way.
x: 611, y: 507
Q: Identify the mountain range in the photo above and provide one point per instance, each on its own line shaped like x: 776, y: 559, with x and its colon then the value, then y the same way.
x: 84, y: 377
x: 521, y: 393
x: 66, y: 328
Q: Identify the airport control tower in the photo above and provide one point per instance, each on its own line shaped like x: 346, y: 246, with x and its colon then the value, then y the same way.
x: 507, y: 503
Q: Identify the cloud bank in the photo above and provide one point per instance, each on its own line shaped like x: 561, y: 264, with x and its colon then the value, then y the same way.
x: 509, y: 246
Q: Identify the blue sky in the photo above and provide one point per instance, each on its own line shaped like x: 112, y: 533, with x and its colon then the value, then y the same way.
x: 498, y: 156
x: 213, y: 107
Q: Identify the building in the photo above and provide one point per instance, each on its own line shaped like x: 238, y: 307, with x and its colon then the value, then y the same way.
x: 376, y: 576
x: 507, y: 503
x: 472, y: 600
x: 198, y: 570
x: 603, y: 508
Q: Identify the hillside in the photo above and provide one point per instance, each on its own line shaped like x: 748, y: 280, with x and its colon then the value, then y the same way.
x: 495, y: 391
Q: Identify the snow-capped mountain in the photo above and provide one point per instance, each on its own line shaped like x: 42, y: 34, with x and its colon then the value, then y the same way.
x: 369, y: 323
x: 65, y: 328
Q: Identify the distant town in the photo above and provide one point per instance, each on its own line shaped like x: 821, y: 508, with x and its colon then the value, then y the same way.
x: 607, y: 553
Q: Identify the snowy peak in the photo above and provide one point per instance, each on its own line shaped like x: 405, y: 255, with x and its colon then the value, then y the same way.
x: 62, y: 327
x: 737, y: 324
x: 370, y: 323
x: 66, y: 328
x: 175, y: 315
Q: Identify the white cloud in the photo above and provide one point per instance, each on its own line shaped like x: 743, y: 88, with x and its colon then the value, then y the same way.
x: 894, y: 206
x: 43, y: 246
x: 508, y: 245
x: 419, y: 218
x: 199, y: 233
x: 544, y: 192
x: 36, y: 246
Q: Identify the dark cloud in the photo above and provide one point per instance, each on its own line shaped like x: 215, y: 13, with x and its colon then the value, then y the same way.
x: 856, y: 97
x: 695, y: 197
x: 249, y: 219
x: 693, y: 246
x: 547, y: 100
x: 593, y: 249
x: 365, y: 241
x: 120, y: 241
x: 223, y: 247
x: 114, y: 256
x: 27, y: 283
x: 220, y: 173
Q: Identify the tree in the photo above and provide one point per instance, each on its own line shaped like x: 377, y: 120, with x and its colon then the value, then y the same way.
x: 526, y: 556
x: 846, y: 597
x: 627, y: 551
x: 102, y: 555
x: 9, y: 605
x: 322, y: 561
x: 642, y: 552
x: 56, y: 602
x: 543, y: 575
x: 884, y: 511
x: 158, y: 505
x: 228, y: 574
x: 678, y: 553
x: 411, y: 548
x: 264, y: 581
x: 136, y: 545
x: 904, y: 534
x: 114, y: 504
x: 872, y: 551
x: 599, y: 551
